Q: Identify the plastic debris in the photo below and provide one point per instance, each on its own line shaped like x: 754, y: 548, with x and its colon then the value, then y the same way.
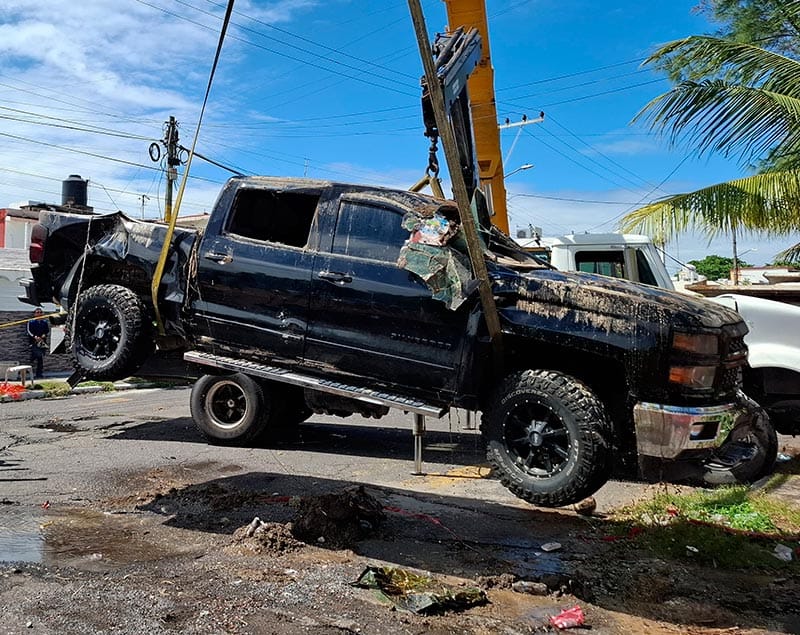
x: 783, y: 553
x: 691, y: 549
x: 418, y: 593
x: 46, y: 505
x: 783, y: 458
x: 568, y: 618
x: 551, y: 546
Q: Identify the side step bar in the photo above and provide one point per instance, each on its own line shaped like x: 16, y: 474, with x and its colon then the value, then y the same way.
x: 274, y: 373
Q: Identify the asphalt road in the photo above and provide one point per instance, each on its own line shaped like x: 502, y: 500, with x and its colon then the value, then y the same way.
x: 128, y: 521
x: 76, y: 447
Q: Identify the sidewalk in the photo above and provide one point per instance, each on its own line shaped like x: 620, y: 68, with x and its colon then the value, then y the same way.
x: 15, y: 391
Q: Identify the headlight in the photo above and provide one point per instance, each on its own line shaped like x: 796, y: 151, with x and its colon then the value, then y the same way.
x: 701, y: 344
x: 693, y: 376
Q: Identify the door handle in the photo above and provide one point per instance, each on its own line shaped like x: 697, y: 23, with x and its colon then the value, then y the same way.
x: 336, y: 277
x: 219, y: 257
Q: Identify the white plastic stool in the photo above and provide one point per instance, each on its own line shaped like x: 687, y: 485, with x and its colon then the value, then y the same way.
x: 25, y: 372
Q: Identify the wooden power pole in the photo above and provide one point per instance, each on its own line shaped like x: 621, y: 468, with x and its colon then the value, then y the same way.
x: 462, y: 197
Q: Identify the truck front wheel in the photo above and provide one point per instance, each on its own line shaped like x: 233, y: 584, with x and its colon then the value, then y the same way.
x: 548, y: 438
x: 229, y: 409
x: 108, y: 332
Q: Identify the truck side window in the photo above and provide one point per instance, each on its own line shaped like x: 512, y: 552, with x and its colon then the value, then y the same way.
x: 607, y: 263
x: 273, y: 216
x: 369, y: 231
x: 646, y: 274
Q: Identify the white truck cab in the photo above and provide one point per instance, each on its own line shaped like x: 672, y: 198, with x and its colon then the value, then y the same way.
x: 630, y: 256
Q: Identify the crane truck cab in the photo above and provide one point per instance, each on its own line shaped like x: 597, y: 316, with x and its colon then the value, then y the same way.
x: 630, y: 256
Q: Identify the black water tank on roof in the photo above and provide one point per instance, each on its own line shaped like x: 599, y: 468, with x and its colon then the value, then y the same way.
x: 73, y: 191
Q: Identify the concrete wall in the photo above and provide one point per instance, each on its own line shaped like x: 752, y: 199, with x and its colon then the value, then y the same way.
x: 14, y: 345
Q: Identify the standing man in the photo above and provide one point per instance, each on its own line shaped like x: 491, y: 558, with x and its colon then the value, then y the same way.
x: 38, y: 328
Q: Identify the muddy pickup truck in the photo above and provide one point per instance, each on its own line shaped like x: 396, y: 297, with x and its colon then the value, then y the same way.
x: 304, y: 296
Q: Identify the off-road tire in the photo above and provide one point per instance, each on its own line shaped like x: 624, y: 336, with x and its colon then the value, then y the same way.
x: 548, y: 438
x: 108, y: 334
x: 229, y: 409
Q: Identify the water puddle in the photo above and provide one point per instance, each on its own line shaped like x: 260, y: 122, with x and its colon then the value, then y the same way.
x: 21, y: 538
x: 74, y: 537
x: 529, y: 559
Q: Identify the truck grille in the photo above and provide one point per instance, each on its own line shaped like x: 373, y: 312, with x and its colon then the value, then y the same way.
x: 734, y: 358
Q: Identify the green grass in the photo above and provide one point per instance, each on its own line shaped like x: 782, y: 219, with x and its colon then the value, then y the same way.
x: 731, y: 527
x: 62, y: 388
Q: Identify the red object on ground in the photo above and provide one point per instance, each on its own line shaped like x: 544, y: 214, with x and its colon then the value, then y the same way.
x: 12, y: 390
x: 568, y: 618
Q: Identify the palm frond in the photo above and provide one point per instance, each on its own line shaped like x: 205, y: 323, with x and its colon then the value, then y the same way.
x: 714, y: 115
x: 767, y: 203
x: 708, y: 57
x: 792, y: 254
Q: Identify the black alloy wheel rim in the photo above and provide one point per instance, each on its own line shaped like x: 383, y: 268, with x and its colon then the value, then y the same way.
x: 537, y: 439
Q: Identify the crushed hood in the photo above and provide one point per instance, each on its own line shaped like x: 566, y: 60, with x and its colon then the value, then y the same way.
x: 608, y: 304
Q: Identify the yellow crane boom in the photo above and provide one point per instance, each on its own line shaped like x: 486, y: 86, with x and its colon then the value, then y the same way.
x: 472, y: 14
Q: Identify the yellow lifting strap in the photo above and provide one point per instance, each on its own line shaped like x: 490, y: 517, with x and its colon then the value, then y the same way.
x: 162, y: 258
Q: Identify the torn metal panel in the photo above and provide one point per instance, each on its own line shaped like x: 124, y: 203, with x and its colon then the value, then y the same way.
x: 429, y: 254
x: 444, y: 270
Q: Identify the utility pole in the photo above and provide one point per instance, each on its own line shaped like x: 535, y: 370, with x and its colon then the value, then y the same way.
x: 171, y: 142
x: 144, y: 198
x: 462, y: 197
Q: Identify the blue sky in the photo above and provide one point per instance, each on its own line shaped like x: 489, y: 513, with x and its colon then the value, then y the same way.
x: 330, y: 89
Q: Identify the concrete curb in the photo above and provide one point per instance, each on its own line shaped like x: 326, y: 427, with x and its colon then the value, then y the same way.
x: 78, y: 390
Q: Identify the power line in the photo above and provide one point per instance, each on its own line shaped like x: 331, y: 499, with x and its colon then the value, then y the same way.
x: 283, y: 54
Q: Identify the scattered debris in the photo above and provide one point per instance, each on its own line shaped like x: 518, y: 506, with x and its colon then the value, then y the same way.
x: 337, y: 519
x: 568, y: 618
x: 783, y: 553
x: 502, y: 581
x: 529, y: 587
x: 586, y: 507
x: 551, y: 546
x: 418, y: 593
x: 261, y: 537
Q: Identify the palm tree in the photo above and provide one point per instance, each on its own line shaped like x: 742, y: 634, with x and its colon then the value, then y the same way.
x: 742, y: 101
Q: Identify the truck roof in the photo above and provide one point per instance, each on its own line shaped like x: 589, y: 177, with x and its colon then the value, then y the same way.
x: 586, y: 239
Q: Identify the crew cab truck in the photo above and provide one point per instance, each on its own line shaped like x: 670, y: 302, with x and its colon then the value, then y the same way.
x: 304, y: 296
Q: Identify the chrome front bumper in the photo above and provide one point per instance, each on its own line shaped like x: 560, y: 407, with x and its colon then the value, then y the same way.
x: 668, y: 431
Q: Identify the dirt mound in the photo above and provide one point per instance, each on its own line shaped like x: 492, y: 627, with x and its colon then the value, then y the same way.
x: 270, y: 538
x: 338, y: 519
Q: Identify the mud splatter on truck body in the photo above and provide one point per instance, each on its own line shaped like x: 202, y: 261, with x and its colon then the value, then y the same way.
x: 296, y: 299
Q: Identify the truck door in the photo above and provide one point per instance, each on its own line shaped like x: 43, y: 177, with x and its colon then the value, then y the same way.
x: 254, y: 272
x: 370, y: 318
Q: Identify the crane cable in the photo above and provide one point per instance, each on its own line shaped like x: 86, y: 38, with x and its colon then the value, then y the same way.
x: 162, y: 259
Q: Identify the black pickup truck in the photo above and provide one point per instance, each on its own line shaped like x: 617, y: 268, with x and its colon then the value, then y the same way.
x: 304, y: 296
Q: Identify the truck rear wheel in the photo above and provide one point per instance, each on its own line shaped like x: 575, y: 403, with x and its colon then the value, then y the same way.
x: 229, y: 409
x: 108, y: 332
x: 548, y: 437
